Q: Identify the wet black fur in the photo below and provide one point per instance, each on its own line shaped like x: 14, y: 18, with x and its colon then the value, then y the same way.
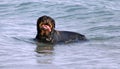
x: 57, y: 36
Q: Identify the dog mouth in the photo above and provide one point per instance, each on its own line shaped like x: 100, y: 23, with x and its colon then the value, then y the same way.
x: 46, y: 28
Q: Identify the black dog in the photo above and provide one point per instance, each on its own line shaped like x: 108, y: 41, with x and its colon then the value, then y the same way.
x: 46, y: 32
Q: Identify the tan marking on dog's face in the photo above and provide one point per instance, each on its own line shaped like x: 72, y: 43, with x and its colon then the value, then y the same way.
x: 51, y: 26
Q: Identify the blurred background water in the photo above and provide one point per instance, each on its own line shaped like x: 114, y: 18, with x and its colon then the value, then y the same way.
x: 97, y: 19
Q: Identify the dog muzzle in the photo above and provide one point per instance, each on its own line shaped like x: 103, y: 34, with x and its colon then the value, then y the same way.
x: 46, y: 27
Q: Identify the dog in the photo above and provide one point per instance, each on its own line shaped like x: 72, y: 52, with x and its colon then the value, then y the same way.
x: 46, y: 32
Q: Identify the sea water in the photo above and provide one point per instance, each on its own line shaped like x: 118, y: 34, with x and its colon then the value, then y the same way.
x: 98, y: 20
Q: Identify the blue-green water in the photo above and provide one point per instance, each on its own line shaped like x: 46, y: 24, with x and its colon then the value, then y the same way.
x: 99, y: 20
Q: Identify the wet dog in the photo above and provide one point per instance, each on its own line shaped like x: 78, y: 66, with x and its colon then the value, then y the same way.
x: 46, y: 32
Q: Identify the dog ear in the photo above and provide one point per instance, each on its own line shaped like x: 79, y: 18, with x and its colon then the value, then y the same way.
x: 53, y: 21
x: 38, y: 22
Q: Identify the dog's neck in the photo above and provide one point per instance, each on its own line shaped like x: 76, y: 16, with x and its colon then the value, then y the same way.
x: 44, y: 38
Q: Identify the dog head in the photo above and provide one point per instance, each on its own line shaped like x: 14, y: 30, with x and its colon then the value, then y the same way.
x: 45, y: 25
